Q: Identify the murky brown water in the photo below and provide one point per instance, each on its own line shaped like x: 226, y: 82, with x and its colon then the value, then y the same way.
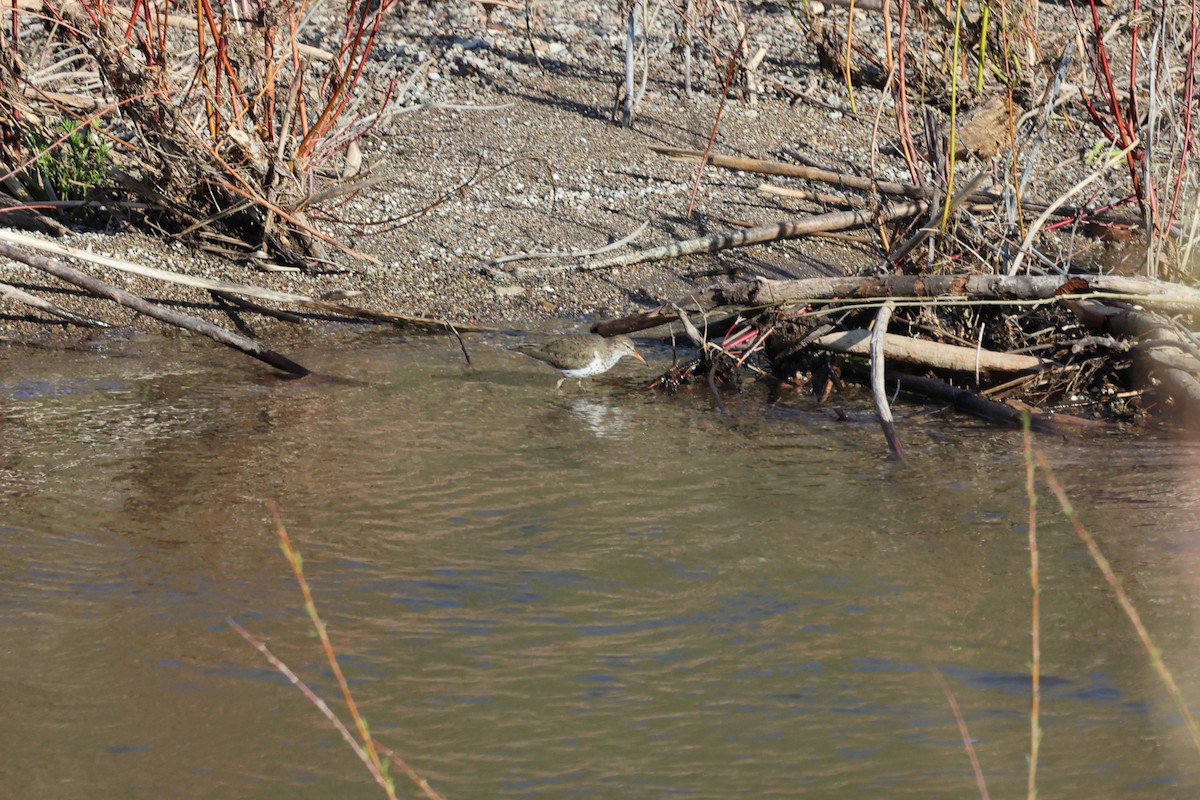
x: 586, y: 594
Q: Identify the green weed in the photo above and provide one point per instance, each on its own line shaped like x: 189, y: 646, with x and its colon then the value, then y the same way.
x: 74, y: 162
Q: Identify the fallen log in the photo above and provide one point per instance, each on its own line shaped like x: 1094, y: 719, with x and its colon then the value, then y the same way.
x: 934, y: 355
x: 765, y: 292
x: 321, y: 306
x: 140, y: 305
x: 974, y: 287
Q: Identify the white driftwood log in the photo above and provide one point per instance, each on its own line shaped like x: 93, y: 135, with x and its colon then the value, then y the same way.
x: 931, y: 354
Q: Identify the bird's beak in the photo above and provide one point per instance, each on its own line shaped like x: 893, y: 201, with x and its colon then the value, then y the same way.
x: 638, y: 356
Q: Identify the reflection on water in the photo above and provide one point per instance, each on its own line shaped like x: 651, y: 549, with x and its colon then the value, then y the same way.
x: 588, y: 593
x: 603, y: 417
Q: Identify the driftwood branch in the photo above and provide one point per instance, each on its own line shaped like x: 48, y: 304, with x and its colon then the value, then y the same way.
x: 973, y: 287
x: 878, y: 389
x: 819, y: 223
x: 138, y: 304
x: 33, y: 301
x: 760, y: 166
x: 304, y: 301
x: 935, y: 355
x: 619, y: 243
x: 27, y: 242
x: 968, y: 402
x: 813, y: 197
x: 763, y: 292
x: 893, y: 188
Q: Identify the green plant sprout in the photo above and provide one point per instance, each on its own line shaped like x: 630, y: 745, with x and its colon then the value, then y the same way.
x: 75, y: 161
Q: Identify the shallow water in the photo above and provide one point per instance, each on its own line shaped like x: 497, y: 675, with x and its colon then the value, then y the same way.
x: 591, y: 593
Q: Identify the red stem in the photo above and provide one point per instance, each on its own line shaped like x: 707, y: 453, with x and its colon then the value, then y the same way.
x: 733, y: 60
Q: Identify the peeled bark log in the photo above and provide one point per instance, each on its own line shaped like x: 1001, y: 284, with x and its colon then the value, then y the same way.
x: 934, y: 355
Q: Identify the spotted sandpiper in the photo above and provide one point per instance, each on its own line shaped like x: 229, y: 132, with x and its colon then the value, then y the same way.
x: 582, y: 355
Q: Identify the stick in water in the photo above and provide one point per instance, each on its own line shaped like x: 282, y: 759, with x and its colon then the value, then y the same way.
x: 878, y: 390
